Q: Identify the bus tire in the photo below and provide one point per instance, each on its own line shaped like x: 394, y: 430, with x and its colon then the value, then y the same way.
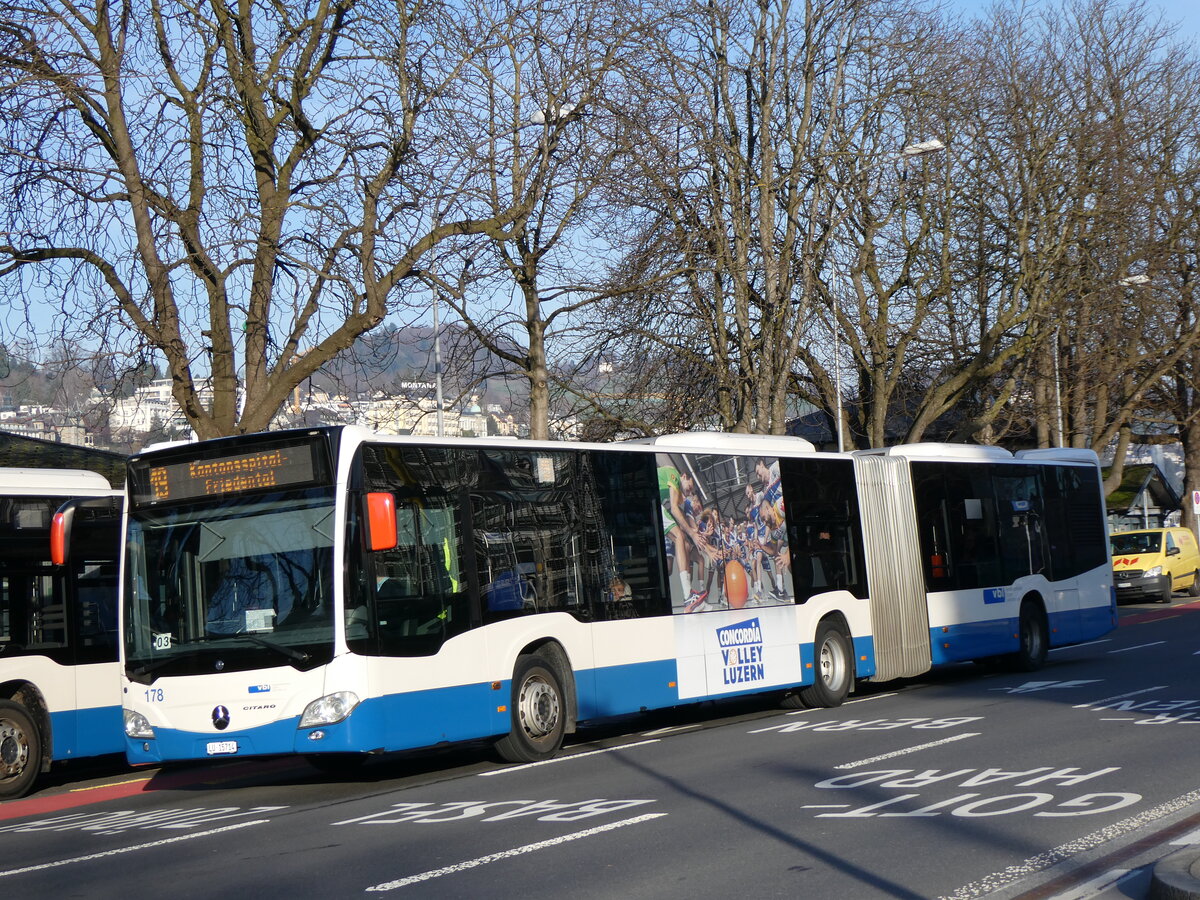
x: 538, y: 713
x: 20, y: 750
x: 834, y: 672
x: 1034, y: 634
x: 1194, y: 587
x: 1168, y: 590
x: 792, y: 700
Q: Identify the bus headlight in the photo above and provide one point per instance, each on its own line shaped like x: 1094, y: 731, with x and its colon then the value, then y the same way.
x: 137, y: 725
x: 329, y: 709
x: 1154, y: 572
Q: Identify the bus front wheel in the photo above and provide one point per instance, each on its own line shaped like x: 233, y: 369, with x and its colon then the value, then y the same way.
x: 20, y: 750
x: 834, y: 674
x: 537, y: 710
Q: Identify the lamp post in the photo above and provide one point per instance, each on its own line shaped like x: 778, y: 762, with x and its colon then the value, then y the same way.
x: 437, y: 366
x: 910, y: 151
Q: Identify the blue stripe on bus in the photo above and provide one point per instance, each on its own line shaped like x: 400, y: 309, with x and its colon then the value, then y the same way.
x: 973, y: 640
x: 86, y: 732
x: 995, y: 637
x: 418, y: 719
x: 864, y: 656
x: 1094, y: 621
x: 617, y: 690
x: 410, y: 720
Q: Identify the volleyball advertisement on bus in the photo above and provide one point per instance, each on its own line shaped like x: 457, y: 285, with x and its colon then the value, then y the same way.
x: 726, y: 546
x: 724, y: 532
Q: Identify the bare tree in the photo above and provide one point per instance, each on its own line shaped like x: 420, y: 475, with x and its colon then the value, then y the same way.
x: 247, y: 187
x: 733, y: 191
x: 552, y: 81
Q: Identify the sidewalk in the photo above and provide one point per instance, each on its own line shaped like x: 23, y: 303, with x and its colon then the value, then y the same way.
x: 1175, y: 876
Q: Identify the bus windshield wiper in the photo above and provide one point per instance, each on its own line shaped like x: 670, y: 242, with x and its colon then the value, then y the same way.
x: 155, y: 664
x: 289, y: 652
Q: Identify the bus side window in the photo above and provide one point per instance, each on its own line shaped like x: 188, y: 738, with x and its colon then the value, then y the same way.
x: 420, y: 598
x: 934, y: 522
x: 47, y: 620
x: 630, y: 551
x: 824, y: 529
x: 96, y: 611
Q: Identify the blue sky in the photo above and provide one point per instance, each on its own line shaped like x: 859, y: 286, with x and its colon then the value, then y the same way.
x: 1184, y: 12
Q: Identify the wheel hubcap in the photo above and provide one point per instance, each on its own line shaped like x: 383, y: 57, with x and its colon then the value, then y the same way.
x: 538, y: 707
x: 832, y: 663
x: 14, y: 750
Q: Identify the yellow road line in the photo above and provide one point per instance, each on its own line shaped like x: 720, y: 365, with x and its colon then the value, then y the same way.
x: 109, y: 784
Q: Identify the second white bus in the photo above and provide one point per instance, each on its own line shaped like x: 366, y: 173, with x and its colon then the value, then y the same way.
x: 59, y: 685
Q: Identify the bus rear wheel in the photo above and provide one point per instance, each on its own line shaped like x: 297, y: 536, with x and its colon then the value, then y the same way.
x: 20, y: 750
x: 831, y: 682
x: 538, y: 713
x: 1034, y: 635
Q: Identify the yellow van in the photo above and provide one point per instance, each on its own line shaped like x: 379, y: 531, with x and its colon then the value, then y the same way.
x: 1153, y: 563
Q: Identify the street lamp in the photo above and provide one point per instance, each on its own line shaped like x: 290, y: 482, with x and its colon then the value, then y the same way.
x: 910, y: 151
x: 920, y: 149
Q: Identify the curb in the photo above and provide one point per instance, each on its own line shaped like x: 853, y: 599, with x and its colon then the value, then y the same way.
x: 1177, y: 877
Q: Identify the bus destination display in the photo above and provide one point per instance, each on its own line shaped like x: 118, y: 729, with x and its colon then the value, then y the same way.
x: 215, y: 476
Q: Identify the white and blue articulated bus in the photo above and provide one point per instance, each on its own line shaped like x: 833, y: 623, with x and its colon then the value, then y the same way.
x: 336, y: 593
x: 60, y: 686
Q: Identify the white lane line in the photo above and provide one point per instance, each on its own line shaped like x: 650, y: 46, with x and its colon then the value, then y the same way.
x: 120, y: 850
x: 875, y: 759
x: 508, y: 854
x: 1149, y: 690
x: 1192, y: 837
x: 559, y: 759
x: 805, y: 712
x: 1084, y: 644
x: 671, y: 730
x: 862, y: 700
x: 1043, y: 861
x: 1088, y: 889
x: 1137, y: 647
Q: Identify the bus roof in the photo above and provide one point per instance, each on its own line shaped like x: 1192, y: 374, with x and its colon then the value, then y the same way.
x: 53, y: 482
x: 979, y: 452
x: 713, y: 441
x: 1062, y: 454
x: 932, y: 450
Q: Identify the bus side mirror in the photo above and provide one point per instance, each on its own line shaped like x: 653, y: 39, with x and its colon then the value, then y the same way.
x: 381, y: 521
x: 60, y: 535
x: 81, y: 511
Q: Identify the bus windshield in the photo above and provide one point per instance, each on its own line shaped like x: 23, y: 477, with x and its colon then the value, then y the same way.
x: 242, y: 584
